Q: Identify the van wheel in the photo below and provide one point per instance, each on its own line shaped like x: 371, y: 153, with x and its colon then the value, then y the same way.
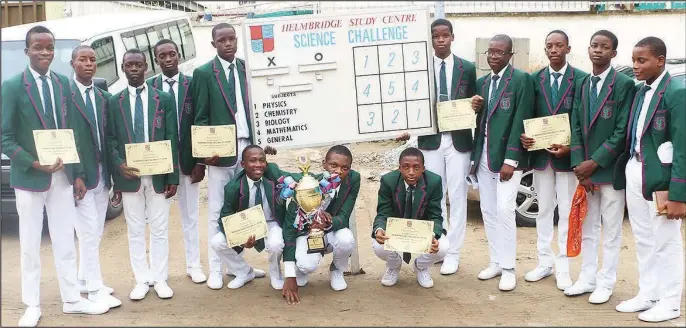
x: 527, y: 202
x: 114, y: 208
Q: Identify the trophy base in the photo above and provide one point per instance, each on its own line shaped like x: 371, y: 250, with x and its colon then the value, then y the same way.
x: 316, y: 242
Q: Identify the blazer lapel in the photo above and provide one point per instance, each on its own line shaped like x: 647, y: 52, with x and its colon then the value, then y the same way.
x: 400, y: 195
x: 545, y: 87
x: 60, y: 106
x: 343, y: 192
x: 244, y: 87
x: 605, y: 92
x: 153, y: 105
x: 100, y: 105
x: 566, y: 85
x: 125, y: 110
x: 268, y: 187
x: 419, y: 196
x: 81, y: 106
x: 659, y: 92
x: 223, y: 84
x: 458, y: 71
x: 183, y: 92
x: 502, y: 86
x: 244, y: 194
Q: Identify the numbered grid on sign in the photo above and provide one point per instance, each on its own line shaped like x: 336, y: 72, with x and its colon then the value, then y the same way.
x: 414, y: 55
x: 418, y: 114
x: 417, y: 85
x: 370, y: 118
x: 366, y: 60
x: 392, y: 87
x: 391, y: 59
x: 394, y: 116
x: 368, y: 89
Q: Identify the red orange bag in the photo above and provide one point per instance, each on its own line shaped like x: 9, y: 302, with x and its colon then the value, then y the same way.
x: 577, y: 214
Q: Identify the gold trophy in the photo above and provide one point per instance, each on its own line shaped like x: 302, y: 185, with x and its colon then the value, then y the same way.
x: 309, y: 199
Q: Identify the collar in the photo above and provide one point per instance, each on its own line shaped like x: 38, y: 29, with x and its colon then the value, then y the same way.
x: 438, y: 60
x: 252, y: 182
x: 408, y: 186
x: 36, y: 75
x: 502, y: 71
x: 562, y: 71
x: 175, y: 77
x: 225, y: 64
x: 82, y: 88
x: 132, y: 90
x: 604, y: 74
x: 658, y: 80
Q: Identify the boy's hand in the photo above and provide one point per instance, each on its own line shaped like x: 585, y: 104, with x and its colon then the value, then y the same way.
x: 290, y: 291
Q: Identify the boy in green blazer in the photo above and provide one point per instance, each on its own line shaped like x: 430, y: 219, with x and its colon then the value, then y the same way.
x: 91, y: 105
x: 179, y: 87
x: 655, y: 160
x: 39, y: 99
x: 448, y: 154
x: 499, y: 158
x: 410, y: 192
x: 599, y: 119
x: 298, y: 264
x: 140, y: 114
x: 554, y: 180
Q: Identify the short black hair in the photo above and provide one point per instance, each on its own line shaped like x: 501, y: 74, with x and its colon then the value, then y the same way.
x: 442, y: 22
x: 503, y: 38
x: 411, y: 151
x: 134, y: 51
x: 219, y: 27
x: 248, y: 148
x: 608, y: 35
x: 340, y: 150
x: 164, y: 41
x: 656, y: 46
x: 38, y: 29
x: 79, y: 48
x: 560, y: 32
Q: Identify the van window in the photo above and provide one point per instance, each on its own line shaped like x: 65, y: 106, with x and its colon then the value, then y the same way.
x: 105, y: 59
x: 188, y: 43
x: 176, y: 37
x: 14, y: 61
x: 145, y: 47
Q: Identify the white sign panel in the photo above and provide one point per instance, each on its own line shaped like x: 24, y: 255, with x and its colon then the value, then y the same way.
x: 339, y: 78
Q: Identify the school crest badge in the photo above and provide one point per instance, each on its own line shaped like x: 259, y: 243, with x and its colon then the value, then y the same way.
x: 606, y: 112
x: 262, y: 38
x: 659, y: 123
x: 505, y: 103
x: 158, y: 122
x: 567, y: 103
x: 462, y: 91
x: 187, y: 108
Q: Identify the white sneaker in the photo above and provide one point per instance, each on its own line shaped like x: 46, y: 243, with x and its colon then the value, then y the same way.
x: 508, y: 280
x: 215, y: 281
x: 102, y: 296
x: 30, y: 317
x: 163, y: 290
x: 259, y: 273
x: 538, y: 273
x: 563, y: 280
x: 636, y: 304
x: 659, y: 313
x: 85, y: 306
x: 301, y: 278
x: 423, y: 276
x: 390, y: 277
x: 239, y: 282
x: 491, y: 272
x: 139, y: 291
x: 337, y: 280
x: 197, y: 276
x: 84, y: 290
x: 450, y: 264
x: 276, y: 281
x: 600, y: 295
x: 579, y: 288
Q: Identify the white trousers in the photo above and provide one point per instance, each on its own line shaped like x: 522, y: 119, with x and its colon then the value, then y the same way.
x: 659, y: 247
x: 138, y: 205
x: 424, y: 261
x: 453, y: 166
x: 92, y: 210
x: 218, y: 177
x: 59, y: 204
x: 498, y: 202
x: 605, y: 206
x: 553, y: 189
x: 189, y: 199
x: 236, y: 262
x: 342, y: 242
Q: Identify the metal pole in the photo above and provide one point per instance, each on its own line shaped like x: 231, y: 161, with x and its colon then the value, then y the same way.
x: 440, y: 10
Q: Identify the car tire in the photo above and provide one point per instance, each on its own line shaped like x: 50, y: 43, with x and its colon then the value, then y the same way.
x: 527, y: 202
x: 114, y: 208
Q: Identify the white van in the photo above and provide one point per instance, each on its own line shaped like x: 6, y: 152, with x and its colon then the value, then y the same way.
x: 110, y: 35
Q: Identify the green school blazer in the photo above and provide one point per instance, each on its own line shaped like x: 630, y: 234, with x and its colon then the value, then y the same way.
x: 425, y: 206
x: 185, y: 118
x: 601, y: 139
x: 463, y: 86
x: 161, y: 125
x: 22, y: 112
x: 541, y: 159
x: 665, y: 121
x: 513, y: 103
x: 90, y: 155
x: 210, y: 91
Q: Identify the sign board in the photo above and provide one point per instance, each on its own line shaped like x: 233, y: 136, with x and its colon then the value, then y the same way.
x: 340, y: 78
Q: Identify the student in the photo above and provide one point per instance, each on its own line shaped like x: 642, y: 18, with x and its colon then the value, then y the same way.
x: 298, y: 264
x: 656, y: 124
x: 250, y: 188
x: 89, y: 119
x: 499, y: 158
x: 410, y: 192
x: 146, y: 198
x: 220, y: 94
x: 191, y: 172
x: 554, y: 180
x: 599, y: 119
x: 36, y: 99
x: 448, y: 153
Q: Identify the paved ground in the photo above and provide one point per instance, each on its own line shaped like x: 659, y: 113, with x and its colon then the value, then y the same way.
x: 460, y: 299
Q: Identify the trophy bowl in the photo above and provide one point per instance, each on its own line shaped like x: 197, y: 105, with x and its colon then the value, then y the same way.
x: 307, y: 194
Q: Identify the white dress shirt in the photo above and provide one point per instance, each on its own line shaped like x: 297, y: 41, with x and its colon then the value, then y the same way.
x: 132, y: 102
x: 165, y: 88
x: 562, y: 71
x: 507, y: 161
x: 265, y: 202
x: 603, y: 77
x: 449, y: 63
x: 39, y: 85
x: 644, y: 110
x: 242, y: 130
x: 82, y: 92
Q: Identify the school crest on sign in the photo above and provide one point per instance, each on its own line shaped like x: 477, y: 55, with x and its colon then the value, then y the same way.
x: 409, y: 223
x: 659, y: 123
x: 262, y: 38
x: 505, y: 103
x: 606, y: 112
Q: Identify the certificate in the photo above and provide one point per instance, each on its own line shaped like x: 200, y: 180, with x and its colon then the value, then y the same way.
x: 455, y: 115
x: 240, y: 226
x: 150, y: 158
x: 406, y: 235
x: 548, y: 130
x: 208, y: 141
x: 51, y: 144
